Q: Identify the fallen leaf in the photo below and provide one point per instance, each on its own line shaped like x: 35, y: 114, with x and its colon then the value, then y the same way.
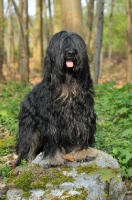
x: 68, y: 157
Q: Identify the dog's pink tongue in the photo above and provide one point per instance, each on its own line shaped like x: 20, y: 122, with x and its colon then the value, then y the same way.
x: 69, y: 63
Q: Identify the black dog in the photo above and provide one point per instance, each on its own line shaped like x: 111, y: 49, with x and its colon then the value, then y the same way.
x: 57, y: 116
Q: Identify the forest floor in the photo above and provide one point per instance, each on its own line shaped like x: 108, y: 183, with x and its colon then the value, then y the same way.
x: 116, y: 73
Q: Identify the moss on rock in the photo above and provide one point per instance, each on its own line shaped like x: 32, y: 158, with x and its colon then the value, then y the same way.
x: 87, y: 168
x: 35, y: 177
x: 24, y: 180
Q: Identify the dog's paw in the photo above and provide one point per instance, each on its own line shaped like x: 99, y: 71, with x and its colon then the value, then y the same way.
x: 54, y: 161
x: 84, y: 155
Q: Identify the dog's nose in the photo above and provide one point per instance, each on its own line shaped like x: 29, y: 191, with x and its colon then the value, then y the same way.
x: 70, y: 53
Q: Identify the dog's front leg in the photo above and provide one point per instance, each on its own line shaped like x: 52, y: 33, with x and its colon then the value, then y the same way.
x: 50, y: 161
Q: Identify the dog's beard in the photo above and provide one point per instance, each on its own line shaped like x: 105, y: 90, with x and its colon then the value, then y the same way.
x: 67, y: 74
x: 65, y: 92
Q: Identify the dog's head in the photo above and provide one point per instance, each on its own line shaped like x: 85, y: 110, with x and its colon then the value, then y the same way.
x: 66, y: 54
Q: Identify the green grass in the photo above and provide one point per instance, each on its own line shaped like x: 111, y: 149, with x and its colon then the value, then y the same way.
x: 114, y: 119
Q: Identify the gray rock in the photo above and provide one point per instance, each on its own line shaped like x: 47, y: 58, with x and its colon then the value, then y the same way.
x: 82, y: 184
x: 15, y: 194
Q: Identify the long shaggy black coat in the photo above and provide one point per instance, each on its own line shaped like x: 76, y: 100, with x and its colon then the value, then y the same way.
x: 58, y: 114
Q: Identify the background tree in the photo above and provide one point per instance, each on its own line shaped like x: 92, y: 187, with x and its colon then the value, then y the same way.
x: 110, y: 33
x: 57, y: 16
x: 45, y: 29
x: 38, y: 47
x: 1, y: 40
x: 98, y: 39
x: 50, y: 24
x: 10, y: 43
x: 72, y: 16
x: 90, y: 8
x: 129, y: 38
x: 25, y: 45
x: 20, y: 40
x: 23, y: 21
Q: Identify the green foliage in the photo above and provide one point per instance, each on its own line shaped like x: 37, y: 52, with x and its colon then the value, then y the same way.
x: 114, y: 123
x: 118, y: 37
x: 107, y: 174
x: 118, y: 33
x: 5, y: 170
x: 24, y: 162
x: 3, y: 197
x: 6, y: 144
x: 11, y: 95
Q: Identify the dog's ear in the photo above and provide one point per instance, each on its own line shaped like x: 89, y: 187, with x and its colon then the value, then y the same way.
x: 47, y: 68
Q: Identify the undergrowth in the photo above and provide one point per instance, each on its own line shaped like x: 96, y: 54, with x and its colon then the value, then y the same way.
x: 114, y: 119
x: 11, y: 94
x: 114, y: 123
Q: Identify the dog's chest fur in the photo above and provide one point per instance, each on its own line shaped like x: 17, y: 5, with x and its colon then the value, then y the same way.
x: 67, y: 120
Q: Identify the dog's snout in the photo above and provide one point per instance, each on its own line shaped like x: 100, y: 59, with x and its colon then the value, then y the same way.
x: 70, y: 52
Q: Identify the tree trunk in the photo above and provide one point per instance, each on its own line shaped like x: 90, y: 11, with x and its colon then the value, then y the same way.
x: 72, y: 16
x: 38, y: 53
x: 101, y: 63
x: 110, y: 34
x: 2, y: 78
x: 50, y: 27
x: 90, y: 8
x: 19, y: 40
x: 23, y: 21
x: 10, y: 47
x: 25, y: 45
x: 45, y: 29
x: 9, y: 36
x: 129, y: 39
x: 98, y: 39
x: 57, y: 16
